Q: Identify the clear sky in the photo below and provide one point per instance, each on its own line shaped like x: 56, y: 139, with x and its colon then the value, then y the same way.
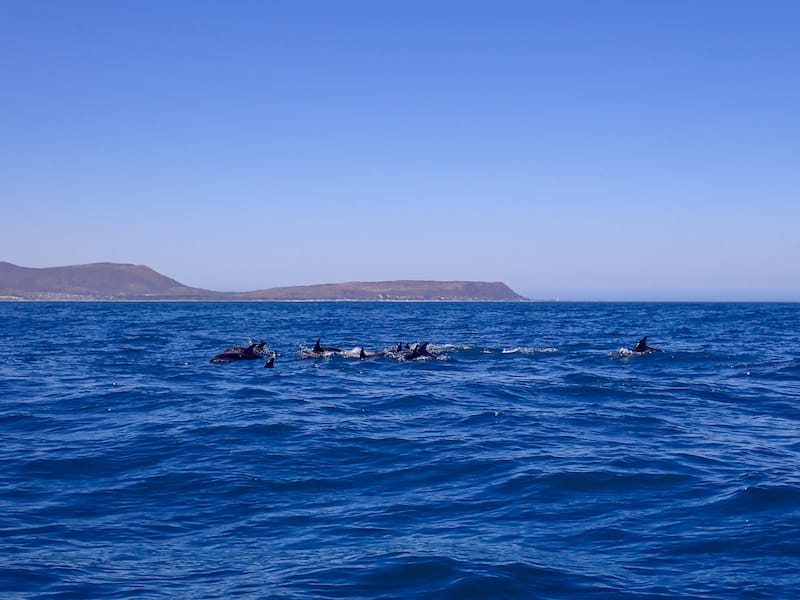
x: 581, y: 150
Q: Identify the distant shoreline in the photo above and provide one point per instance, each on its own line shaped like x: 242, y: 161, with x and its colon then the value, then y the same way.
x: 115, y: 282
x: 270, y: 301
x: 11, y: 300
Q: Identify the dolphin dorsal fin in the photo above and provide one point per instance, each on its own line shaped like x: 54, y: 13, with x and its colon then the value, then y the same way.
x: 317, y: 347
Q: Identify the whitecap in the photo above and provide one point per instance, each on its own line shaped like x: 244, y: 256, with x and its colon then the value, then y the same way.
x: 353, y: 353
x: 527, y: 350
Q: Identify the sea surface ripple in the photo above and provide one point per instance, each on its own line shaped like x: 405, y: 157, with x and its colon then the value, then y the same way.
x: 529, y: 459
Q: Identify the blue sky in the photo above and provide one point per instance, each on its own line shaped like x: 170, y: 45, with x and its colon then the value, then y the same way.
x: 581, y: 150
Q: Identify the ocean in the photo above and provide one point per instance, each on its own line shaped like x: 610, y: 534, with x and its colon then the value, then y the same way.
x: 530, y: 457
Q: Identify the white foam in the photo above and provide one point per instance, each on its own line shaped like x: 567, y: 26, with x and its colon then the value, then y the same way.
x: 527, y: 350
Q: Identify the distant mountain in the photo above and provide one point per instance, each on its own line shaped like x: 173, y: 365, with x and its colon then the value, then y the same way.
x: 98, y: 281
x: 124, y: 282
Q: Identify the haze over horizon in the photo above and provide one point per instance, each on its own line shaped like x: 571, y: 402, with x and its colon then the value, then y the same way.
x: 577, y: 150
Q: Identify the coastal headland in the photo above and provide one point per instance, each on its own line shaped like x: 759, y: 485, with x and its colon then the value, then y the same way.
x: 137, y: 283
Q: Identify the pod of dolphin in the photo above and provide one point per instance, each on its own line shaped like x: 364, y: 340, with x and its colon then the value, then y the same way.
x: 416, y: 351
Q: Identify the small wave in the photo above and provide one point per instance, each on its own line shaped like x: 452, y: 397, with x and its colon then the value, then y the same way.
x: 352, y: 353
x: 527, y: 350
x: 627, y: 352
x: 760, y: 498
x: 445, y: 348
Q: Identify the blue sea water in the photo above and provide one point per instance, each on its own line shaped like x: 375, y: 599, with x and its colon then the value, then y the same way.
x: 530, y: 459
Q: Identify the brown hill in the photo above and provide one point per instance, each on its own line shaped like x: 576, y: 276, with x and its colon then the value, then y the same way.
x: 394, y: 290
x: 114, y: 281
x: 98, y: 281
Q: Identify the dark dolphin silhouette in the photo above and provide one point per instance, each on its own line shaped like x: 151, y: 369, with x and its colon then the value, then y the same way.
x: 270, y: 364
x: 320, y: 349
x: 642, y: 347
x: 251, y: 352
x: 363, y: 354
x: 418, y: 351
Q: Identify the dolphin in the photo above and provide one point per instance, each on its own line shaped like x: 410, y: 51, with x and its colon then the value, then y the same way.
x: 642, y: 347
x: 363, y: 354
x: 418, y: 351
x: 270, y: 364
x: 251, y: 352
x: 320, y: 349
